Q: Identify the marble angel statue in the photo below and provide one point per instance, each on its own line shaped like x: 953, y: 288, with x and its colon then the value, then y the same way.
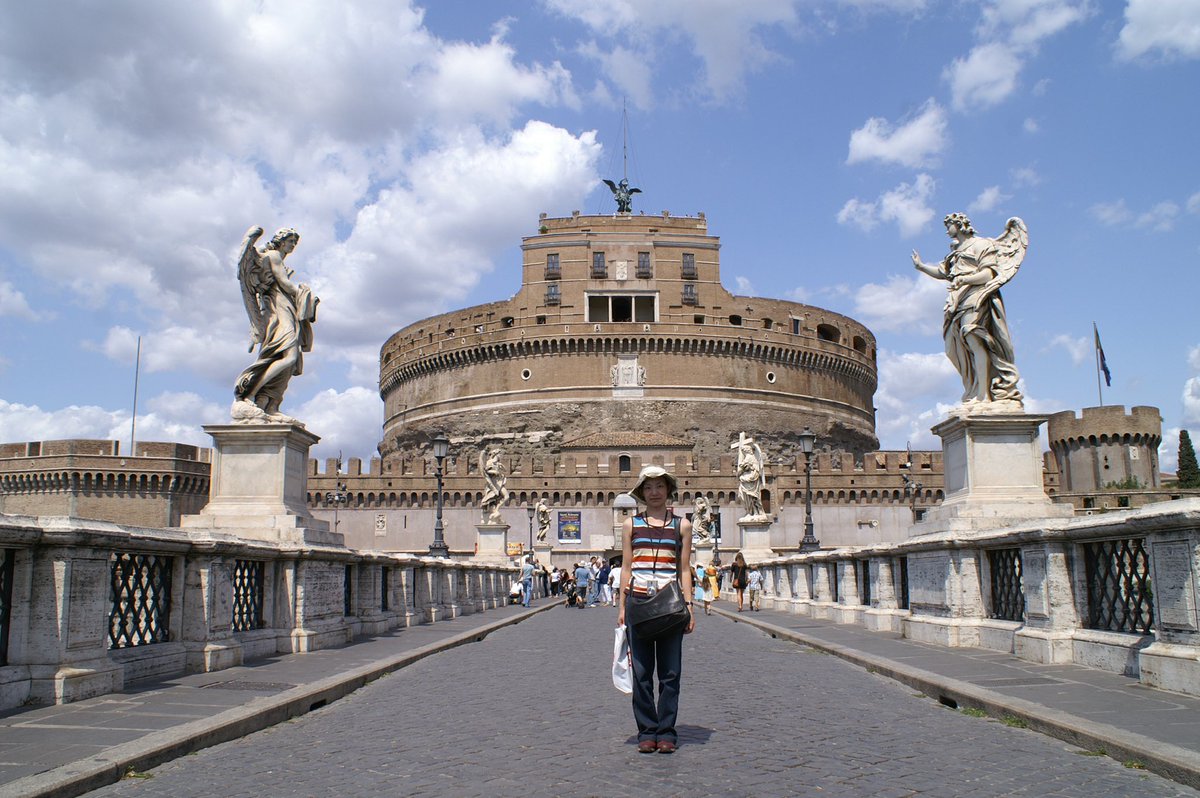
x: 281, y: 314
x: 701, y: 521
x: 496, y: 494
x: 543, y: 519
x: 751, y: 477
x: 975, y: 328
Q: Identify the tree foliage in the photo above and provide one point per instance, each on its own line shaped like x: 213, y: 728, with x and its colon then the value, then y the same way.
x: 1189, y: 470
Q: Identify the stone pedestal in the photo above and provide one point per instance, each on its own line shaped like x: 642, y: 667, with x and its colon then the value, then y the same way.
x: 993, y: 472
x: 258, y: 486
x: 756, y: 539
x: 491, y: 543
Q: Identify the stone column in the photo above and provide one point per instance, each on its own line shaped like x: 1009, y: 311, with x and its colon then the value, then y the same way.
x: 66, y: 649
x: 945, y: 597
x: 1172, y: 661
x: 491, y: 542
x: 1050, y: 616
x: 208, y: 615
x: 823, y: 606
x: 802, y: 589
x: 756, y: 539
x: 884, y: 613
x: 850, y: 609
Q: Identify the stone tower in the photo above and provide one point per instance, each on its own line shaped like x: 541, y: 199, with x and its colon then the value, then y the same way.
x: 1107, y: 447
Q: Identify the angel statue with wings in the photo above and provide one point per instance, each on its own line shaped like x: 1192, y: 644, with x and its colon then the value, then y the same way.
x: 281, y: 313
x: 623, y: 194
x: 975, y: 329
x: 492, y: 468
x: 751, y: 476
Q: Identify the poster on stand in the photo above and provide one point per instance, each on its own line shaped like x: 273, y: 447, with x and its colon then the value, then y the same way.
x: 570, y: 526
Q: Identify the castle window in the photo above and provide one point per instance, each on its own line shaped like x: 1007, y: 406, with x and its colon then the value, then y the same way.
x: 644, y: 272
x: 507, y: 321
x: 541, y: 319
x: 689, y: 266
x: 33, y: 449
x: 624, y: 465
x: 698, y: 318
x: 689, y: 293
x: 553, y: 294
x: 1089, y: 502
x: 767, y: 324
x: 599, y: 267
x: 621, y: 308
x: 827, y: 332
x: 795, y: 326
x: 735, y: 320
x: 860, y: 345
x: 553, y: 272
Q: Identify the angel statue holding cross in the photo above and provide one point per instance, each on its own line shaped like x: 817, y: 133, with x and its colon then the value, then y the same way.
x: 751, y: 477
x: 281, y: 314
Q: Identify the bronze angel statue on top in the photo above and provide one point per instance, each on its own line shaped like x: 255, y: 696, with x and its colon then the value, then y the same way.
x: 281, y: 314
x: 975, y: 328
x: 623, y: 194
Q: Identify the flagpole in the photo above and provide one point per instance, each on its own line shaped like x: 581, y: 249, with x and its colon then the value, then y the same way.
x: 1096, y: 347
x: 133, y: 421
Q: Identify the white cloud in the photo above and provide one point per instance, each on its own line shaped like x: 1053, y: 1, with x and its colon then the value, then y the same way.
x: 744, y: 286
x: 1193, y: 203
x: 1079, y: 348
x: 1191, y: 401
x: 987, y: 200
x: 902, y: 304
x: 172, y: 416
x: 863, y: 215
x: 1025, y: 176
x: 348, y: 420
x: 1168, y: 450
x: 14, y: 304
x: 724, y: 35
x: 915, y: 391
x: 1194, y: 358
x: 1008, y: 35
x: 1030, y: 125
x: 907, y: 205
x: 916, y: 143
x: 1111, y: 213
x: 1159, y: 219
x: 985, y: 77
x: 1169, y: 27
x: 632, y: 72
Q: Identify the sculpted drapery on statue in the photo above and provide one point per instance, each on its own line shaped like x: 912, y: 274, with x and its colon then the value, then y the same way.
x: 281, y: 315
x: 975, y: 328
x: 701, y: 521
x: 496, y: 494
x: 543, y: 519
x: 751, y: 477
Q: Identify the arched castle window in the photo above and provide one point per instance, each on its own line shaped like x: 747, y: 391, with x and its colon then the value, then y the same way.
x: 827, y: 332
x: 624, y: 464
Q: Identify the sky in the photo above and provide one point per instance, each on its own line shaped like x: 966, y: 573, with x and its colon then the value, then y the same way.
x: 412, y: 146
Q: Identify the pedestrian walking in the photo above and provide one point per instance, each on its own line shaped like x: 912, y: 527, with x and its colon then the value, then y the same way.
x: 605, y: 592
x: 527, y: 580
x: 555, y: 581
x: 657, y: 550
x: 738, y: 572
x: 712, y: 585
x: 754, y: 583
x: 545, y: 576
x: 614, y: 582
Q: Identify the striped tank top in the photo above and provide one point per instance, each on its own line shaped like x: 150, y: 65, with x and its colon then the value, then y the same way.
x: 654, y: 554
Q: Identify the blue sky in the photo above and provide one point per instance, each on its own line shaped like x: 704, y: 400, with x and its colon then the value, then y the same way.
x: 413, y: 146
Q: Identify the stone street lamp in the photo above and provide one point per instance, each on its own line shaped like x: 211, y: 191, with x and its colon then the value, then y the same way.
x: 441, y: 447
x: 810, y: 542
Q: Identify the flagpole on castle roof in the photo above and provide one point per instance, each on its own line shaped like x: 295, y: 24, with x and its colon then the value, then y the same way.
x: 1099, y: 390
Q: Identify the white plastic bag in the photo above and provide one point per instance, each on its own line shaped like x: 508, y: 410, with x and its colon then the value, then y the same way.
x: 622, y: 661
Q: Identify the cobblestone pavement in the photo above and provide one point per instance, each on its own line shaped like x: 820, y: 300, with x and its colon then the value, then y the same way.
x: 531, y: 710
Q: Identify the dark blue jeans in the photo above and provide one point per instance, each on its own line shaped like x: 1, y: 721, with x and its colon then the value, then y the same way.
x: 656, y: 721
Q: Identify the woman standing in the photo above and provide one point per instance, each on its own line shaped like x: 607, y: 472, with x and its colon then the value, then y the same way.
x: 700, y: 580
x: 738, y: 572
x: 657, y: 545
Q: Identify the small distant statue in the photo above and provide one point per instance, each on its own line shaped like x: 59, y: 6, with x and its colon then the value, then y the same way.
x: 975, y: 329
x: 496, y: 494
x: 751, y: 477
x: 281, y: 314
x: 542, y: 511
x: 623, y: 194
x: 701, y: 521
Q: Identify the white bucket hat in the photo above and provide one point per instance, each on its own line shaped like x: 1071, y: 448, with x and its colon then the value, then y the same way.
x: 650, y: 472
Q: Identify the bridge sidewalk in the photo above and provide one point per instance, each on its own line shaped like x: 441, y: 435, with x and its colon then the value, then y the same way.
x: 1093, y: 709
x: 70, y: 749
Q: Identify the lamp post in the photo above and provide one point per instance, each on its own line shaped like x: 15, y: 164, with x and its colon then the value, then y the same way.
x: 810, y: 542
x: 339, y: 496
x: 912, y: 489
x: 441, y: 447
x: 531, y: 511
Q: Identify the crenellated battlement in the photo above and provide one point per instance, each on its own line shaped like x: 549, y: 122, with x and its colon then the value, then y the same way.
x: 1106, y: 424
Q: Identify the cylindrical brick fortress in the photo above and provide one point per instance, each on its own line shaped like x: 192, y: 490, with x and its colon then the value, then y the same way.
x: 1106, y: 447
x: 622, y: 324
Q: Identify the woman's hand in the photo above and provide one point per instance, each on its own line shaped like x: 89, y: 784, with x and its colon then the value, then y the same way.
x: 691, y: 624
